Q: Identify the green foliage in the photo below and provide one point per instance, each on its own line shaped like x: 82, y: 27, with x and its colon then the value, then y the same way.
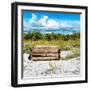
x: 76, y: 51
x: 36, y: 35
x: 27, y: 48
x: 65, y: 42
x: 27, y: 36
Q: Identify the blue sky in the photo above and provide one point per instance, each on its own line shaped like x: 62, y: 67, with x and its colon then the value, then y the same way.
x: 48, y: 22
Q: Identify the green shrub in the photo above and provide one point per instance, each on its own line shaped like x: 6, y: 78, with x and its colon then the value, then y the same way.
x: 27, y: 48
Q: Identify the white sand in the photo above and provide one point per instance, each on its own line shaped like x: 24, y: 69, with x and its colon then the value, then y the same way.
x: 59, y: 68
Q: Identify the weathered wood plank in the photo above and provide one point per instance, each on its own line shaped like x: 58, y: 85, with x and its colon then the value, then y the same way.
x: 45, y: 53
x: 44, y: 58
x: 44, y: 50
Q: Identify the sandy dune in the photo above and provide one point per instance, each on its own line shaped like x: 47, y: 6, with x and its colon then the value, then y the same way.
x: 59, y: 68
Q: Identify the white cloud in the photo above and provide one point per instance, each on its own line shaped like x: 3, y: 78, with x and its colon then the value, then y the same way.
x: 43, y: 21
x: 63, y: 24
x: 48, y: 24
x: 33, y: 19
x: 29, y: 23
x: 52, y: 24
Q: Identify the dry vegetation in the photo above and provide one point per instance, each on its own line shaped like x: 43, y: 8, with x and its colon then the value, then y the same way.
x: 65, y: 42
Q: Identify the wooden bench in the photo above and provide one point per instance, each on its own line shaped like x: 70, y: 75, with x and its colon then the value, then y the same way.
x: 45, y: 53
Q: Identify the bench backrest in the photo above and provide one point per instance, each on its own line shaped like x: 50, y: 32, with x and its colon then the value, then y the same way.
x: 45, y: 53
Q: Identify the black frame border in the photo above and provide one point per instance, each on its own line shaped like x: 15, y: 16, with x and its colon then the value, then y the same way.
x: 14, y: 43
